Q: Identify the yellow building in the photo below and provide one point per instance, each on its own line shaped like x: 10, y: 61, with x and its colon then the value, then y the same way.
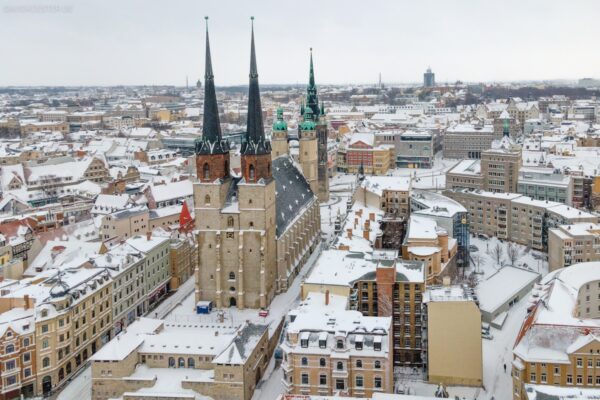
x: 559, y: 341
x: 452, y: 336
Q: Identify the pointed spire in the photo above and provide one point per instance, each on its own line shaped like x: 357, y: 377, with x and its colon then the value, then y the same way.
x: 212, y: 141
x: 311, y: 74
x: 312, y: 100
x: 255, y: 131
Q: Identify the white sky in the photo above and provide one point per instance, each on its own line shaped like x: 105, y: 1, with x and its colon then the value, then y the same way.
x: 110, y: 42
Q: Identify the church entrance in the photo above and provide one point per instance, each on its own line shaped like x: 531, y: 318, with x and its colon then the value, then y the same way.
x: 232, y: 302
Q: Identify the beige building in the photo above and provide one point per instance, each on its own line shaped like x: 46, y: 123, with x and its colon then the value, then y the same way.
x: 511, y: 216
x: 125, y: 223
x: 558, y: 343
x: 158, y: 360
x: 390, y: 194
x: 17, y: 353
x: 466, y: 174
x: 329, y: 349
x: 308, y: 152
x: 464, y: 141
x: 573, y: 244
x: 500, y: 166
x: 425, y: 241
x: 28, y: 127
x: 452, y: 349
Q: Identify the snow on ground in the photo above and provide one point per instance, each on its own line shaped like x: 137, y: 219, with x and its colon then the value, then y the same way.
x: 79, y: 388
x: 527, y: 258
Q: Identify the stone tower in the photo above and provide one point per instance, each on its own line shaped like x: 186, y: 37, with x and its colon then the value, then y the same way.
x: 235, y: 217
x: 308, y: 152
x: 279, y: 137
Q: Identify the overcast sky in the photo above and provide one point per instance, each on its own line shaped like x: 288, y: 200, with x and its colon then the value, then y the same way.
x: 110, y: 42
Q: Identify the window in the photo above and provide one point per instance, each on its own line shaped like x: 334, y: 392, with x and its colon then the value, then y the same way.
x: 358, y: 345
x: 251, y: 172
x: 230, y: 222
x: 377, y: 364
x: 579, y: 379
x: 543, y: 378
x: 232, y: 276
x: 570, y: 379
x: 10, y: 365
x: 305, y: 379
x: 339, y: 384
x: 322, y: 362
x: 304, y: 343
x: 191, y: 363
x: 304, y: 361
x: 340, y: 344
x: 45, y: 362
x: 207, y: 199
x: 359, y: 364
x: 181, y: 362
x: 340, y: 366
x: 532, y: 377
x: 171, y: 362
x: 26, y: 357
x: 9, y: 348
x: 359, y: 381
x: 322, y: 380
x: 377, y: 346
x: 206, y: 171
x: 377, y: 382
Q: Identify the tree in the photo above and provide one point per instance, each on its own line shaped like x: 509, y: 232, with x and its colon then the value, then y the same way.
x: 513, y: 253
x: 477, y: 259
x: 497, y: 252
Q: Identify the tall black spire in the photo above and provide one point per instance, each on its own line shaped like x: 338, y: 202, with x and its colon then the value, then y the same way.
x: 212, y: 141
x: 255, y: 142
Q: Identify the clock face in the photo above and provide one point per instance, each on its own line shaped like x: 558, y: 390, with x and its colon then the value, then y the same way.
x: 463, y: 221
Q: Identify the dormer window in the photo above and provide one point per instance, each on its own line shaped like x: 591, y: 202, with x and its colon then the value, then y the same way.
x: 377, y: 343
x: 339, y: 344
x: 304, y: 339
x: 358, y: 344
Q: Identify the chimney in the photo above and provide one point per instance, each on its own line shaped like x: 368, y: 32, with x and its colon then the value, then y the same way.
x: 349, y: 233
x: 355, y: 222
x: 148, y: 235
x: 26, y: 300
x: 372, y: 216
x: 327, y: 297
x: 366, y: 234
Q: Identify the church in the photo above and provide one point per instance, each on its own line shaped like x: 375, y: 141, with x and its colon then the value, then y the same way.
x: 255, y: 231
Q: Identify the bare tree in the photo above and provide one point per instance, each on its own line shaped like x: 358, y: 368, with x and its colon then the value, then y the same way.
x: 513, y: 253
x: 477, y: 259
x: 497, y: 252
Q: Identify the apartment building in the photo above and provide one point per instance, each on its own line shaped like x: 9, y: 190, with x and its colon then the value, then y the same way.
x: 452, y: 348
x: 511, y: 216
x: 388, y: 193
x: 414, y: 149
x: 17, y: 351
x: 573, y: 244
x: 376, y: 283
x: 466, y: 174
x: 125, y: 223
x: 557, y: 345
x: 32, y: 126
x: 362, y: 151
x: 467, y: 141
x: 329, y: 349
x: 159, y: 360
x: 545, y: 184
x: 500, y: 166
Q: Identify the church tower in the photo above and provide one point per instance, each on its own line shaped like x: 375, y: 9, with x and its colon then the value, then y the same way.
x: 256, y: 202
x: 308, y: 151
x: 320, y: 120
x: 279, y: 138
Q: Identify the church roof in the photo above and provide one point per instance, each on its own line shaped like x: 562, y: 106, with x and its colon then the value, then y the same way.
x: 292, y: 192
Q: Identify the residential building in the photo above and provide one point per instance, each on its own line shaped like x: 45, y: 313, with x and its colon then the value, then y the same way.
x: 390, y: 194
x: 557, y: 346
x: 452, y: 348
x: 157, y: 359
x: 125, y: 223
x: 546, y: 184
x: 466, y: 174
x: 467, y: 141
x: 573, y: 244
x: 500, y: 164
x: 18, y: 351
x: 328, y: 349
x: 376, y: 283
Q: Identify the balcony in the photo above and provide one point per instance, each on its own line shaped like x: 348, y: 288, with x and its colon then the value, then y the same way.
x: 339, y: 373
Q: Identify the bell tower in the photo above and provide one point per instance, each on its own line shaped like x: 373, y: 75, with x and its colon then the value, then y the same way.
x: 308, y: 149
x: 279, y: 137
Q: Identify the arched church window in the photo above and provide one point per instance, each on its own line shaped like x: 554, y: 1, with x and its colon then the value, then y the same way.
x: 251, y: 172
x: 230, y: 222
x: 206, y: 171
x: 207, y: 199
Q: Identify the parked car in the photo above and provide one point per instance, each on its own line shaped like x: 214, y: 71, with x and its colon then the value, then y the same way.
x: 263, y: 313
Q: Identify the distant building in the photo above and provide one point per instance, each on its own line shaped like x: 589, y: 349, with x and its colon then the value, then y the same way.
x: 428, y: 78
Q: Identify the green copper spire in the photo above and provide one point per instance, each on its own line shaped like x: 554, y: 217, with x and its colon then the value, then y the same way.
x: 506, y: 128
x: 280, y: 124
x: 312, y: 99
x: 212, y: 141
x: 309, y: 123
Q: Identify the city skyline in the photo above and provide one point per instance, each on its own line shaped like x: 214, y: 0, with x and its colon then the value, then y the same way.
x: 88, y: 44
